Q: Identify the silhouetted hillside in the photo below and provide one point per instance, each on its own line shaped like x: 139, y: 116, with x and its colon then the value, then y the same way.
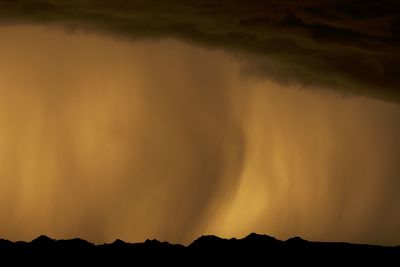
x: 254, y: 250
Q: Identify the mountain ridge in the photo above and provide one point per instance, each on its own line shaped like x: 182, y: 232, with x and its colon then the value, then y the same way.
x: 251, y: 250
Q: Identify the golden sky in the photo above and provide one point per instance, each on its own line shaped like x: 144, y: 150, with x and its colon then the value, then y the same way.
x: 105, y: 138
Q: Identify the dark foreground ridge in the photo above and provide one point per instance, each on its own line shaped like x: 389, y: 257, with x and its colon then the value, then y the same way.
x: 253, y: 250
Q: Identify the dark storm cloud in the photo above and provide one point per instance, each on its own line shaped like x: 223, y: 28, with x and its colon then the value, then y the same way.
x: 351, y: 44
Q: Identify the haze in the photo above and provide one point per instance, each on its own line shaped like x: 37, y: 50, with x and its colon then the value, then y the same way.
x: 104, y: 138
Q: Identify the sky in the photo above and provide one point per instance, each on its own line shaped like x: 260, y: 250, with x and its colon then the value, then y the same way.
x: 132, y: 120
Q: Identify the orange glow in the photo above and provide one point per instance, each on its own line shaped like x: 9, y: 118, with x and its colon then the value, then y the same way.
x: 105, y: 139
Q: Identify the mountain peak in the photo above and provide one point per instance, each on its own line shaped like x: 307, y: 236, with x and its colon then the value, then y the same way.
x: 119, y: 242
x: 296, y: 240
x: 43, y: 240
x: 207, y: 240
x: 255, y: 236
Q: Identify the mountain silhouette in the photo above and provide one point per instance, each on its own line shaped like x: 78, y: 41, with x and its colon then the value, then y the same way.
x: 252, y: 250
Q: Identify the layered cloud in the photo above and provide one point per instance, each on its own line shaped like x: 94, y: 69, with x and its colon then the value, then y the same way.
x: 350, y: 45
